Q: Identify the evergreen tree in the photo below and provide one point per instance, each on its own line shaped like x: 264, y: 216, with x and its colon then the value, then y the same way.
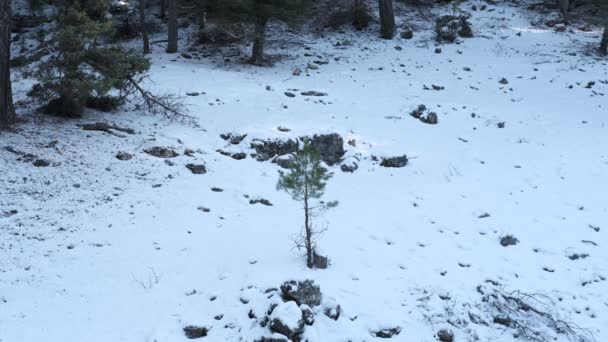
x: 7, y: 111
x: 259, y: 12
x: 83, y: 67
x: 306, y: 182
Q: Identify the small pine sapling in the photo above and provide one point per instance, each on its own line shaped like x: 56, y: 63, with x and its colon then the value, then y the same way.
x: 305, y: 182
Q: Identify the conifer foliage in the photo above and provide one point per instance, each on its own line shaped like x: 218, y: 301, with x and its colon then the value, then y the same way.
x: 306, y: 182
x: 84, y: 64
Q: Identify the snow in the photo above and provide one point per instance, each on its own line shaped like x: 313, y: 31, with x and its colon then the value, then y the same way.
x: 289, y: 314
x: 108, y: 250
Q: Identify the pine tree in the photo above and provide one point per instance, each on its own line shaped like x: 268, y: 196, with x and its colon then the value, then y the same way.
x: 82, y: 66
x: 259, y: 12
x: 306, y: 182
x: 7, y: 111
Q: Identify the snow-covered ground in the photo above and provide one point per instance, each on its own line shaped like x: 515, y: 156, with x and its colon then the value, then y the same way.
x: 101, y: 249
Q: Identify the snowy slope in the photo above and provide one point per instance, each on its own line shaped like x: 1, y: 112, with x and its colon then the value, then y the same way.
x: 108, y: 250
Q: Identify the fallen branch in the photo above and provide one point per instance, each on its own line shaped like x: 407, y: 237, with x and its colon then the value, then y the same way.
x: 168, y: 105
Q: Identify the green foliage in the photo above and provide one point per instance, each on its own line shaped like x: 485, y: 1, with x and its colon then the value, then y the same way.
x: 82, y: 66
x: 307, y: 178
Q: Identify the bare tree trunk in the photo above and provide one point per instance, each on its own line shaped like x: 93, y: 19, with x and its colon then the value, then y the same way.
x: 172, y: 35
x: 387, y: 19
x: 163, y: 9
x: 604, y: 42
x: 257, y: 54
x: 7, y: 111
x: 308, y: 229
x: 202, y: 15
x: 143, y: 28
x: 563, y: 7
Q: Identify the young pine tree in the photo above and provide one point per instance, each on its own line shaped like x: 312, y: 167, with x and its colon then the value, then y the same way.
x: 306, y: 182
x: 84, y: 65
x: 259, y: 12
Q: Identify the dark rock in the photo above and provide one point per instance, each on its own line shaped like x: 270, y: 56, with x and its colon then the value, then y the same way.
x: 123, y: 155
x: 268, y: 149
x: 307, y: 314
x: 506, y: 321
x: 387, y: 333
x: 445, y: 335
x: 333, y: 312
x: 503, y: 81
x: 261, y: 201
x: 41, y: 163
x: 508, y: 240
x: 289, y: 94
x: 234, y: 139
x: 329, y: 146
x: 313, y: 93
x: 193, y: 332
x: 437, y: 50
x: 349, y: 167
x: 319, y: 261
x: 273, y: 339
x: 394, y: 161
x: 236, y: 156
x: 283, y: 129
x: 407, y: 34
x: 431, y: 118
x: 197, y: 169
x: 161, y: 152
x: 418, y: 112
x: 216, y: 189
x: 278, y: 325
x: 284, y: 161
x: 302, y: 292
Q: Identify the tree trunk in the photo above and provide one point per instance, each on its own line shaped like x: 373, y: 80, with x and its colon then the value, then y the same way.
x: 604, y: 43
x: 202, y: 15
x: 387, y: 19
x: 172, y: 36
x: 163, y: 9
x: 308, y: 229
x: 257, y: 54
x: 7, y: 111
x: 143, y: 28
x: 563, y: 7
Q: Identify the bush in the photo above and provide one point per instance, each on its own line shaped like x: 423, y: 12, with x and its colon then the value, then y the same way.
x: 64, y: 107
x: 103, y: 103
x: 361, y: 16
x: 449, y: 27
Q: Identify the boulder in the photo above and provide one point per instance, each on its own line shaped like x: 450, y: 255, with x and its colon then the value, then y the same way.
x: 329, y: 146
x: 161, y: 152
x: 400, y: 161
x: 302, y: 292
x: 197, y: 169
x: 287, y: 319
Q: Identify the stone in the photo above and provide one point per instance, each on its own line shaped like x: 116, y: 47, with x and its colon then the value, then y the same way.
x: 407, y: 34
x: 197, y: 169
x: 400, y: 161
x: 508, y: 240
x: 387, y: 333
x: 193, y: 332
x: 329, y: 146
x: 161, y: 152
x: 287, y: 319
x: 123, y: 156
x: 302, y: 292
x: 307, y: 314
x: 41, y: 163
